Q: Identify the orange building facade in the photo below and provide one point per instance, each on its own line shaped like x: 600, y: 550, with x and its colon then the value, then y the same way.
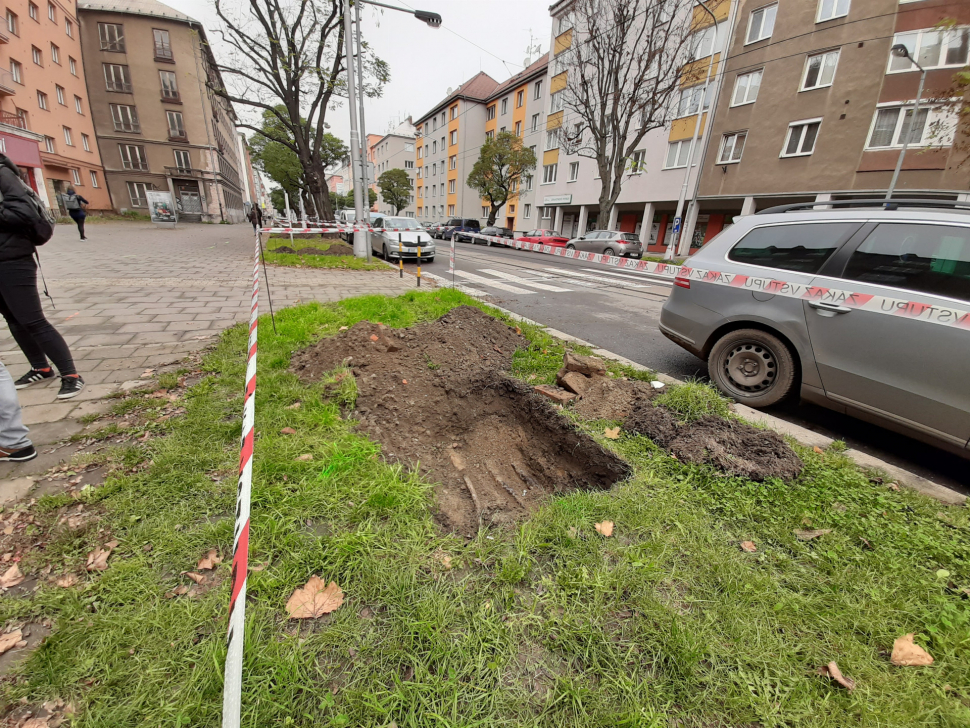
x: 45, y: 118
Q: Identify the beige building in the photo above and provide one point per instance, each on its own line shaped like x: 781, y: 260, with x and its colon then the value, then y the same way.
x: 158, y: 125
x: 395, y: 150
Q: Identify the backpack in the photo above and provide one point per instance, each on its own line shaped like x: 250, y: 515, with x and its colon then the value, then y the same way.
x: 71, y: 202
x: 40, y: 228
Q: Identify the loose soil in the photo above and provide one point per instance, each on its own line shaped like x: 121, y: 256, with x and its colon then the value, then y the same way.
x: 436, y: 395
x: 334, y: 249
x: 613, y: 399
x: 735, y: 447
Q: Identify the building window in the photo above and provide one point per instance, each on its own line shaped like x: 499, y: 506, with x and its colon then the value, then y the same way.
x: 69, y: 29
x: 72, y: 64
x: 549, y: 173
x: 52, y: 12
x: 176, y: 127
x: 133, y: 157
x: 59, y: 90
x: 573, y: 171
x: 638, y: 162
x: 163, y: 45
x: 552, y: 139
x: 528, y: 182
x: 125, y: 118
x: 78, y: 105
x: 801, y: 138
x: 527, y: 211
x: 485, y: 211
x: 49, y: 145
x: 489, y: 135
x: 761, y: 23
x: 17, y: 71
x: 546, y: 213
x: 454, y: 111
x: 451, y: 209
x: 535, y: 122
x: 112, y: 36
x: 434, y: 147
x: 820, y: 70
x: 501, y: 129
x: 183, y: 160
x: 42, y: 100
x: 451, y: 187
x: 518, y: 128
x: 829, y: 9
x: 408, y: 164
x: 932, y: 49
x: 408, y: 146
x: 117, y: 78
x: 703, y: 41
x: 136, y: 191
x: 55, y: 54
x: 13, y: 22
x: 94, y: 179
x: 519, y: 99
x: 34, y: 11
x: 505, y: 106
x: 454, y: 137
x: 890, y: 126
x: 36, y: 55
x: 453, y: 162
x: 434, y: 169
x: 746, y: 88
x: 677, y: 154
x: 170, y: 89
x: 732, y: 145
x: 76, y: 175
x: 68, y: 139
x: 537, y: 90
x: 691, y: 97
x: 86, y: 143
x: 557, y: 100
x: 490, y: 113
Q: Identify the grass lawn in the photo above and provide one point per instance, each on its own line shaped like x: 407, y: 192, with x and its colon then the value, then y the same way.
x: 348, y: 262
x: 545, y: 624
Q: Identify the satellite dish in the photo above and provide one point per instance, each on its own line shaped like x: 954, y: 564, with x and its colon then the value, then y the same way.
x: 450, y: 89
x: 527, y: 62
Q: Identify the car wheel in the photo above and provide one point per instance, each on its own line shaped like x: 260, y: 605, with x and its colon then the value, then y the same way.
x: 570, y: 247
x: 753, y: 367
x: 610, y: 252
x: 385, y: 253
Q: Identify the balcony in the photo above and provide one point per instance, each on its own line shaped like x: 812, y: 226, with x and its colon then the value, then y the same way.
x: 176, y: 136
x: 173, y: 97
x: 7, y: 84
x: 13, y: 120
x: 134, y: 164
x: 164, y: 53
x: 185, y: 172
x: 118, y: 86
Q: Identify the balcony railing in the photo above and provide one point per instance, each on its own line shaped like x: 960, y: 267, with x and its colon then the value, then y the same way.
x: 13, y: 120
x: 119, y: 86
x: 132, y: 127
x: 134, y: 164
x: 169, y: 95
x: 7, y: 84
x: 185, y: 172
x: 163, y: 52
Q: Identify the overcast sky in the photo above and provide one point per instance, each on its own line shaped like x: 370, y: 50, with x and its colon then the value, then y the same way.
x: 425, y: 62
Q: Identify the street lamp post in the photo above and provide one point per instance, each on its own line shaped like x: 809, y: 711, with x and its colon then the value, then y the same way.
x: 900, y: 51
x: 357, y: 157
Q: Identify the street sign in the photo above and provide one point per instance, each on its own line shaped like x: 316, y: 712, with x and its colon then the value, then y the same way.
x: 676, y: 225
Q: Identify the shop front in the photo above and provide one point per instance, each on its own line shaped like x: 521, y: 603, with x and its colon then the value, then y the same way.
x: 23, y: 150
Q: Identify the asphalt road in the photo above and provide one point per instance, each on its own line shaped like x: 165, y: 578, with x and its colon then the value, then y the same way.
x: 620, y: 311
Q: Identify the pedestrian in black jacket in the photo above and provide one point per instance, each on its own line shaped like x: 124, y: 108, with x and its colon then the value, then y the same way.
x: 75, y: 208
x: 19, y: 298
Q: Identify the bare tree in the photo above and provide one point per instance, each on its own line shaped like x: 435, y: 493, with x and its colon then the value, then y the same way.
x: 286, y: 58
x: 626, y: 68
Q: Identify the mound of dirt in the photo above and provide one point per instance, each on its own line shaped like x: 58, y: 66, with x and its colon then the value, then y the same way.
x: 734, y: 447
x: 612, y: 399
x: 436, y: 394
x: 334, y: 249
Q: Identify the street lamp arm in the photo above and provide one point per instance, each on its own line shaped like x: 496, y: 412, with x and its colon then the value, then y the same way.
x: 432, y: 19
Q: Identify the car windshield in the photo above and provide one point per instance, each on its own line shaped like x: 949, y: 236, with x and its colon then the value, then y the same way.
x: 630, y: 237
x: 402, y: 223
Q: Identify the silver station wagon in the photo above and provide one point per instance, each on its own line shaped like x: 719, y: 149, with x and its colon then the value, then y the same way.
x: 862, y: 307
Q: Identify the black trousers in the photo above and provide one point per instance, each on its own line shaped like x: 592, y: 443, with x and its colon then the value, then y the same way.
x: 79, y: 219
x: 20, y: 306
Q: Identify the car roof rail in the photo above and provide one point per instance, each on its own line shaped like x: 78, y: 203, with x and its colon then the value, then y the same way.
x: 893, y: 204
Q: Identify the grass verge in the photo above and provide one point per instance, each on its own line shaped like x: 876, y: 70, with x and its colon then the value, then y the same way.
x: 546, y: 624
x: 347, y: 262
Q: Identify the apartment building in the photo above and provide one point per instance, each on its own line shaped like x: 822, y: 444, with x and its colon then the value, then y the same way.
x: 395, y: 150
x: 814, y: 107
x: 449, y: 137
x: 519, y: 106
x: 159, y: 126
x: 45, y: 117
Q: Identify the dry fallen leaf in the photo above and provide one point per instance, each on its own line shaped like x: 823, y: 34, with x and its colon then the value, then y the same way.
x: 342, y: 328
x: 306, y: 457
x: 446, y: 561
x: 10, y: 640
x: 748, y: 546
x: 287, y: 431
x: 832, y: 670
x: 11, y: 577
x: 39, y: 723
x: 98, y: 560
x: 177, y: 591
x: 605, y: 528
x: 907, y: 653
x: 66, y: 581
x: 893, y: 486
x: 809, y: 535
x: 518, y: 330
x: 612, y: 432
x: 819, y: 450
x: 294, y: 406
x: 210, y: 561
x: 314, y: 599
x: 197, y: 578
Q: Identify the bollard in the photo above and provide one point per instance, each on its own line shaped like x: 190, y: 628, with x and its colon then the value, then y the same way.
x: 400, y: 255
x: 451, y: 261
x: 419, y: 265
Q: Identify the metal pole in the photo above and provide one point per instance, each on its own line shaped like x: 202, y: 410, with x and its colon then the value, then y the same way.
x: 363, y: 129
x: 400, y: 255
x: 289, y: 220
x: 360, y: 243
x: 909, y: 133
x: 679, y: 215
x: 419, y: 264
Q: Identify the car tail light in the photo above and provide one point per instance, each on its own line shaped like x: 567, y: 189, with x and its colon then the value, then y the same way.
x: 682, y: 282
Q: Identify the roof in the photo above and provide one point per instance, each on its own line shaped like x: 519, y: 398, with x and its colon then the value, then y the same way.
x: 524, y: 75
x: 151, y: 8
x: 478, y: 88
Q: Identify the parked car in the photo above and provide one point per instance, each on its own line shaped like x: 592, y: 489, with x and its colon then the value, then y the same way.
x: 404, y: 243
x: 784, y: 320
x: 458, y: 225
x: 494, y: 231
x: 546, y: 237
x: 608, y: 242
x: 348, y: 217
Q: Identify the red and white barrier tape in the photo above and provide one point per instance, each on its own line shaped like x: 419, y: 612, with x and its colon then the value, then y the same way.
x: 232, y: 690
x: 338, y: 229
x: 942, y: 315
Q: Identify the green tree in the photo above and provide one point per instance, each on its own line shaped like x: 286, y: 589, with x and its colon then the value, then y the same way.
x: 395, y: 186
x: 497, y: 175
x: 346, y: 202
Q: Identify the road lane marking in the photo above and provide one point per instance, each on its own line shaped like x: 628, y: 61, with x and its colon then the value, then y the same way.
x: 523, y: 281
x: 445, y: 283
x: 597, y: 279
x: 629, y: 276
x: 482, y: 280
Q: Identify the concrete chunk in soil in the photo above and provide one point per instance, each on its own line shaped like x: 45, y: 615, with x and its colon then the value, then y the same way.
x: 560, y: 396
x: 588, y: 366
x: 573, y: 381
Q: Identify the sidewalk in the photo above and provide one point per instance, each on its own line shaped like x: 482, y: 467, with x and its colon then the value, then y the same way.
x: 135, y: 297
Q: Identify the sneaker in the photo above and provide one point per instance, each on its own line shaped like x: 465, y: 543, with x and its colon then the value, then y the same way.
x: 18, y: 456
x: 70, y: 387
x: 34, y: 376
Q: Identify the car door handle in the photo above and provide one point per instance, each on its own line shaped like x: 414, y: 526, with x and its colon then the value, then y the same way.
x: 832, y: 307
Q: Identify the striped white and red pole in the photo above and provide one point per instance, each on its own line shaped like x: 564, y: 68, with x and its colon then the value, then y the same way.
x: 232, y: 688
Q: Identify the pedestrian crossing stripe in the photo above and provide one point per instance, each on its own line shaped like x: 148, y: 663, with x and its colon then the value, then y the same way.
x: 523, y: 281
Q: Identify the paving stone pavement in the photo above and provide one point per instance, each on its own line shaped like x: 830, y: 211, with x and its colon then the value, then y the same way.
x: 136, y: 296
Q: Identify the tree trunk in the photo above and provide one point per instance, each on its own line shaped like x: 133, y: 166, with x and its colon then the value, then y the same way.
x: 492, y: 214
x: 317, y: 189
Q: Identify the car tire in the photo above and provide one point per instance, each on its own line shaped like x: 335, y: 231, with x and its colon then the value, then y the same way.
x: 385, y: 254
x: 768, y: 374
x: 570, y: 247
x: 610, y: 252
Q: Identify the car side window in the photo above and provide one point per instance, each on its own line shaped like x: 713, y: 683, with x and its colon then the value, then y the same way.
x: 378, y: 222
x: 932, y: 259
x: 801, y: 248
